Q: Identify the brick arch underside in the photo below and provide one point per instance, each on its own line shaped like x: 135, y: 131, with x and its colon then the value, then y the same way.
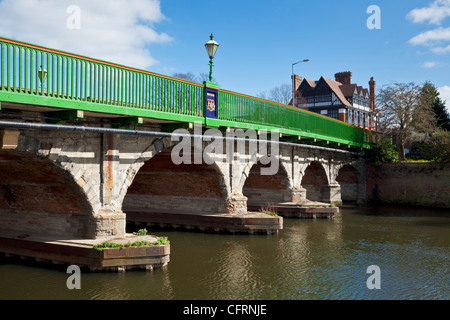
x: 161, y: 186
x: 348, y: 180
x: 314, y: 181
x: 36, y: 196
x: 265, y: 190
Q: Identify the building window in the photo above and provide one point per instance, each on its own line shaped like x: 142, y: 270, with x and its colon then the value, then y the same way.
x: 323, y: 98
x: 333, y: 113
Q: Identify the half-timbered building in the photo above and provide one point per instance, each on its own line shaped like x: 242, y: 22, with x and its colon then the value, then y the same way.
x: 339, y: 99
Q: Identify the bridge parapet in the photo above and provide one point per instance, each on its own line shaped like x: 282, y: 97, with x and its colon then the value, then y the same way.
x: 35, y: 75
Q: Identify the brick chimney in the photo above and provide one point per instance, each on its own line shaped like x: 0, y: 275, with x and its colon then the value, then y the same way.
x: 343, y: 77
x: 297, y: 81
x: 372, y: 93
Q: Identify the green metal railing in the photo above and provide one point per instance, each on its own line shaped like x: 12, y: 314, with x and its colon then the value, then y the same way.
x: 41, y: 76
x: 31, y: 72
x: 260, y: 113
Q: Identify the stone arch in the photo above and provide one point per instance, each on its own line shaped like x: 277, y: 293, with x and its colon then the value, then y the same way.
x: 155, y: 147
x: 266, y: 190
x: 349, y: 180
x: 80, y: 155
x: 245, y: 172
x: 62, y: 150
x: 157, y: 185
x: 38, y: 195
x: 314, y: 179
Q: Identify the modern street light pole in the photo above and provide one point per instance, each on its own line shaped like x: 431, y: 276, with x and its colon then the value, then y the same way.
x: 293, y: 80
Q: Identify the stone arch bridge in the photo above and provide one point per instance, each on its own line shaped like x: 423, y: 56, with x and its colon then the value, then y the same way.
x: 79, y: 183
x: 86, y: 145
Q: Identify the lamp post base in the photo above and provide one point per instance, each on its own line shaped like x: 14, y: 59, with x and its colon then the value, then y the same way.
x: 210, y: 84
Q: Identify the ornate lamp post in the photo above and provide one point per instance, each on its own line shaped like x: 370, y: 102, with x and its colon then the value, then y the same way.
x: 211, y: 48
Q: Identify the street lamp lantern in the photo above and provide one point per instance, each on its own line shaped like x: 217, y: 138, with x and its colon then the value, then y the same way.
x: 42, y: 74
x: 293, y: 80
x: 211, y: 48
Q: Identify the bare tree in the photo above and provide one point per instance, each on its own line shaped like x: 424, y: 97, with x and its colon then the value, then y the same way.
x: 261, y: 95
x: 193, y: 78
x: 205, y: 77
x: 281, y: 94
x: 186, y: 76
x: 405, y: 110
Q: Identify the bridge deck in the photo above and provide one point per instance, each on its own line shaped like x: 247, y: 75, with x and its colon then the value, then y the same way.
x: 38, y: 76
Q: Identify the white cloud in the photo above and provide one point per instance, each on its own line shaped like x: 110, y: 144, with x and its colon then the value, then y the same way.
x: 429, y: 64
x: 441, y: 50
x: 431, y: 37
x: 444, y: 94
x: 119, y: 31
x: 435, y: 13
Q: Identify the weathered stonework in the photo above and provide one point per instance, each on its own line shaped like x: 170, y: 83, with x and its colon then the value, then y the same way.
x: 83, y: 184
x: 109, y: 224
x: 9, y: 139
x: 418, y: 184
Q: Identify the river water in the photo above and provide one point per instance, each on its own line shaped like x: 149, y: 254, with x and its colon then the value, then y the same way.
x: 308, y: 259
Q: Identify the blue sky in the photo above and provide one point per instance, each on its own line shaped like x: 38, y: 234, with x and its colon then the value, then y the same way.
x: 259, y: 40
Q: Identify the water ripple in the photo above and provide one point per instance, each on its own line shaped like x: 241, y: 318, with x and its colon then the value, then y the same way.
x: 308, y: 259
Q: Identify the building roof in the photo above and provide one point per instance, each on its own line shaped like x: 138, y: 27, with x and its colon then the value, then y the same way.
x: 311, y: 83
x: 359, y: 89
x: 366, y: 92
x: 335, y: 87
x: 348, y: 89
x: 342, y: 91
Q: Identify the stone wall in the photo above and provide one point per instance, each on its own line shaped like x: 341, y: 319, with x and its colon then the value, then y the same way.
x: 82, y: 184
x: 348, y: 180
x: 420, y: 184
x: 263, y: 190
x: 161, y: 186
x: 349, y: 191
x: 38, y: 197
x: 315, y: 182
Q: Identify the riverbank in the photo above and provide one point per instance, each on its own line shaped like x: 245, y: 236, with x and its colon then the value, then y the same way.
x: 415, y: 184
